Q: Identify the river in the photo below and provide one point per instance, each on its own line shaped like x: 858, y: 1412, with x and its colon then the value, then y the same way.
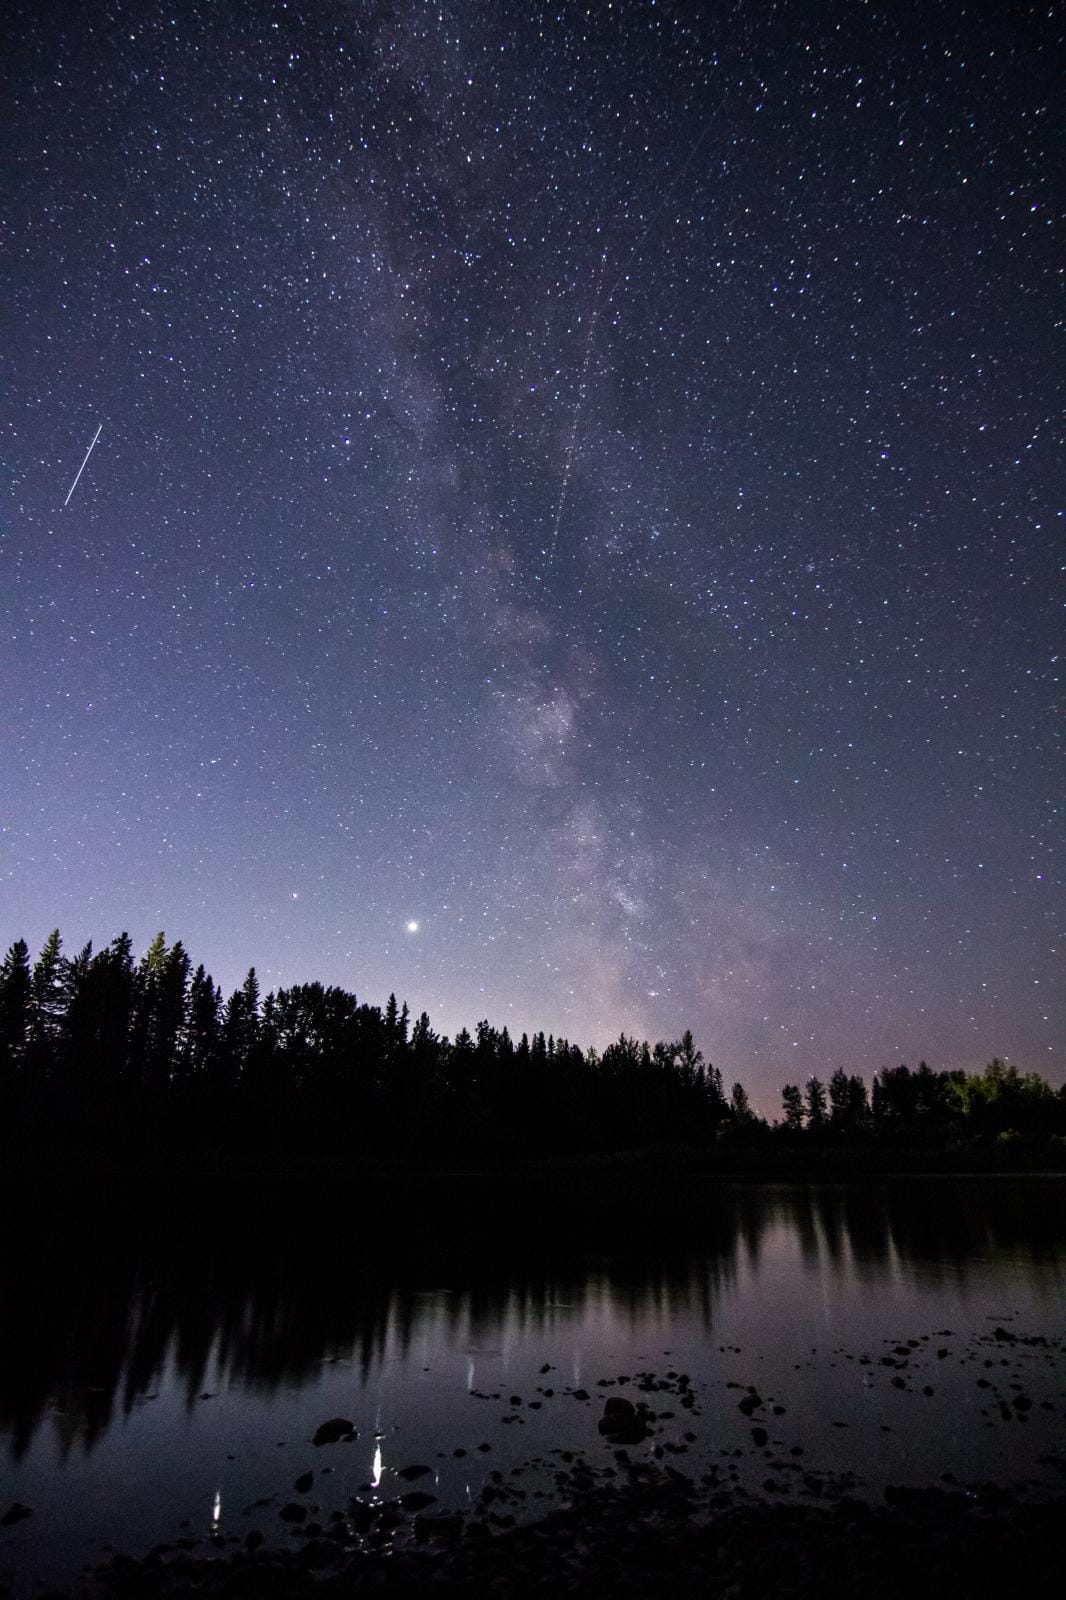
x: 166, y: 1356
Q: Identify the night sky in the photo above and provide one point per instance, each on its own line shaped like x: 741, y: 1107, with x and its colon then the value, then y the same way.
x: 571, y: 538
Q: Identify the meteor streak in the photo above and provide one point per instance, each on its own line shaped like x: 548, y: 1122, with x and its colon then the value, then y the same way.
x: 81, y: 469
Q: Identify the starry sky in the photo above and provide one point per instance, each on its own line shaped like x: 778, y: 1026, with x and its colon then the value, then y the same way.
x: 571, y: 538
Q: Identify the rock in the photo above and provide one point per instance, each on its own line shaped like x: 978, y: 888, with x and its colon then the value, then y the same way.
x: 759, y: 1436
x: 333, y: 1430
x: 16, y: 1512
x: 292, y: 1512
x: 411, y: 1473
x: 416, y: 1500
x: 622, y: 1423
x: 304, y: 1482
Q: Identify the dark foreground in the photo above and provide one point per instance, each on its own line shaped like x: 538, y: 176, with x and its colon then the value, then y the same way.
x: 653, y: 1533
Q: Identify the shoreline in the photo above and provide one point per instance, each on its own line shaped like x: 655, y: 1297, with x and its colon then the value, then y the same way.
x: 681, y: 1162
x: 654, y: 1532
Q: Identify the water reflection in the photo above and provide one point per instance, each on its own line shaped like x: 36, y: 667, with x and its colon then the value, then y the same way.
x: 312, y: 1274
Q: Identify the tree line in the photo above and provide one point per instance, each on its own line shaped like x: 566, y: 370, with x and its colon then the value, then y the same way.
x: 104, y: 1056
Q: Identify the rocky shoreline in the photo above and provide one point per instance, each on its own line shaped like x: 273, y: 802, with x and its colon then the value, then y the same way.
x: 652, y: 1532
x: 643, y: 1507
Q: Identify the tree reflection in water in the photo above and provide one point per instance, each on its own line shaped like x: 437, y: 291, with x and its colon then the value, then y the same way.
x: 258, y: 1285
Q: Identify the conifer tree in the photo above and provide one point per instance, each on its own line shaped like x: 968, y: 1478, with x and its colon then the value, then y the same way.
x: 16, y: 994
x: 47, y: 1002
x: 815, y: 1099
x: 792, y: 1101
x: 740, y: 1105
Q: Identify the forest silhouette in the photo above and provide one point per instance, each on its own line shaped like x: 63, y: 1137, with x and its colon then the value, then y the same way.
x: 104, y: 1058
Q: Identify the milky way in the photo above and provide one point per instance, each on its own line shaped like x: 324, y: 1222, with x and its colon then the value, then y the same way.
x: 572, y: 537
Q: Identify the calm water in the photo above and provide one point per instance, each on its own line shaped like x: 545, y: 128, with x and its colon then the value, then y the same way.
x: 168, y: 1364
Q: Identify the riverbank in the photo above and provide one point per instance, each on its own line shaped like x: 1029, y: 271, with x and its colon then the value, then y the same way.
x: 654, y: 1532
x: 767, y: 1160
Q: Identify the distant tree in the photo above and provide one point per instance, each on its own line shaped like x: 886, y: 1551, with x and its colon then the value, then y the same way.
x: 1003, y: 1100
x: 396, y: 1024
x: 250, y: 996
x: 16, y: 995
x: 423, y: 1039
x: 75, y: 1056
x: 916, y: 1106
x: 47, y: 1003
x: 848, y: 1104
x: 815, y: 1100
x: 740, y: 1105
x: 203, y: 1027
x: 689, y: 1059
x: 792, y: 1102
x: 714, y: 1091
x: 240, y: 1028
x: 169, y: 1020
x: 838, y: 1098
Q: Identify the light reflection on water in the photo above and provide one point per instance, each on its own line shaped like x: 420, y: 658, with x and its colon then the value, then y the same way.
x: 139, y: 1382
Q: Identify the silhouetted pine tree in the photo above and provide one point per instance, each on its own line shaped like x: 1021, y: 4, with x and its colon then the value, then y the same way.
x: 16, y: 996
x: 792, y: 1103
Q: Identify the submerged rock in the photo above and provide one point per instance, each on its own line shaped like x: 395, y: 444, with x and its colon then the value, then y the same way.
x: 335, y: 1429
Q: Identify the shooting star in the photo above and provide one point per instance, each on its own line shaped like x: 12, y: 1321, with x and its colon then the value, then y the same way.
x: 81, y: 469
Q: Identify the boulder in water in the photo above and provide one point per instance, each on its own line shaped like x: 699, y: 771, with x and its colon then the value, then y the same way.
x: 335, y: 1429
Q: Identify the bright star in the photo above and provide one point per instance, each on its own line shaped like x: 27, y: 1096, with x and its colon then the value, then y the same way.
x: 412, y: 927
